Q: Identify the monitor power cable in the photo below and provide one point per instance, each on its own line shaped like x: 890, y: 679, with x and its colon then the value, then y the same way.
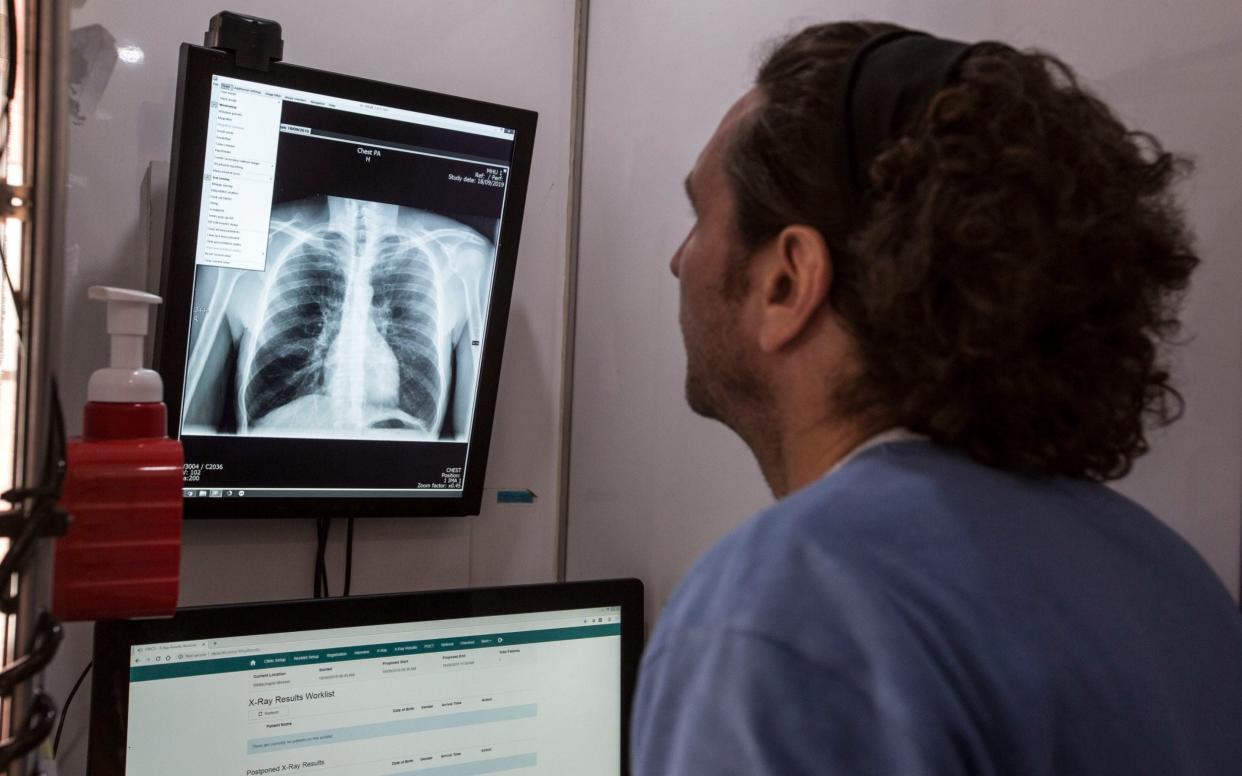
x: 323, y: 527
x: 64, y: 712
x: 349, y: 555
x: 10, y: 91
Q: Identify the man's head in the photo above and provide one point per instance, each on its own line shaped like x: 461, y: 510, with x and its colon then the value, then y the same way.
x: 1004, y: 290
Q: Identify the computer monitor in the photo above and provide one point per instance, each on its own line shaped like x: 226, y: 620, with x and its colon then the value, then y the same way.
x: 338, y: 267
x: 533, y: 679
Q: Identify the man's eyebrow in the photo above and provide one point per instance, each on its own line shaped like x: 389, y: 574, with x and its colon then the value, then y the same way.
x: 689, y: 190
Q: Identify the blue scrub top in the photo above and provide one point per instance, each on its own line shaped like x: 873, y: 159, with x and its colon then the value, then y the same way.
x: 915, y: 612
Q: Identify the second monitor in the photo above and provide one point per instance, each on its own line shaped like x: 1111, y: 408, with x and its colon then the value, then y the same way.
x: 530, y: 679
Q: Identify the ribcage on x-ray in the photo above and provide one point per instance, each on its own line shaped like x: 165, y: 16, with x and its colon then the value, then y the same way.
x: 302, y: 319
x: 360, y: 317
x: 403, y: 305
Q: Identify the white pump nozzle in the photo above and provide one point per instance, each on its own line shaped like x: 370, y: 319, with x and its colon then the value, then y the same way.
x: 125, y: 380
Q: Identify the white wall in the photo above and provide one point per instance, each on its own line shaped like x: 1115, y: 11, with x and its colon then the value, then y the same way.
x: 651, y: 485
x: 518, y: 54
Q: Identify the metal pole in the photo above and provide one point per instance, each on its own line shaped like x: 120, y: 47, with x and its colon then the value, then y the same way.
x: 574, y: 214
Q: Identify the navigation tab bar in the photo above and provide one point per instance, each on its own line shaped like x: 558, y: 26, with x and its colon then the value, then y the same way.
x: 144, y: 673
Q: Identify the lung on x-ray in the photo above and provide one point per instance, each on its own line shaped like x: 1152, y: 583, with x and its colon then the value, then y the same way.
x: 365, y: 325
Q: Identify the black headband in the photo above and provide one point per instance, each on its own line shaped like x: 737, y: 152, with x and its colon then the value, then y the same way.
x: 889, y: 84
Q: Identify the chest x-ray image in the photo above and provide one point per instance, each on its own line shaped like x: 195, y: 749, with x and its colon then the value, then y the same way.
x: 367, y: 323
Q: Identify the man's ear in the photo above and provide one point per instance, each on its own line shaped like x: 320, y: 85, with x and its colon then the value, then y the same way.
x: 796, y: 276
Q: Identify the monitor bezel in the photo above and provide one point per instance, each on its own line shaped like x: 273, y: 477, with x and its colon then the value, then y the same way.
x: 113, y: 639
x: 197, y: 66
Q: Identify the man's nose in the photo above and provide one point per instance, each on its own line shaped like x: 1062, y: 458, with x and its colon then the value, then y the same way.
x: 674, y: 264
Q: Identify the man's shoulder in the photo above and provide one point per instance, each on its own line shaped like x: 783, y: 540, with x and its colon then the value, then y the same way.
x: 883, y: 498
x: 902, y: 520
x: 802, y: 565
x: 918, y: 571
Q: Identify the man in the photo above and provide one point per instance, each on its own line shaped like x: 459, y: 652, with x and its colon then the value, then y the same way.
x: 927, y: 285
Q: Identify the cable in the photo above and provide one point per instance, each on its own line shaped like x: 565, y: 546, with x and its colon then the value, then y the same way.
x: 60, y: 726
x: 323, y: 557
x: 10, y: 74
x: 322, y: 526
x: 10, y: 32
x: 10, y: 91
x: 317, y: 580
x: 4, y: 259
x: 319, y: 550
x: 349, y: 555
x: 8, y: 281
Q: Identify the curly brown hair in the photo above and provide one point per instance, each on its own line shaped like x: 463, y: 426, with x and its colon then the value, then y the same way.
x: 1020, y: 264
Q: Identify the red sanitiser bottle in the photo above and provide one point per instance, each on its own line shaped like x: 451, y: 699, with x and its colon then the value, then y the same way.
x: 121, y: 556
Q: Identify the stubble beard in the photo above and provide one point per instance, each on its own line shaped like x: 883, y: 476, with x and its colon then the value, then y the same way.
x: 723, y: 379
x: 723, y: 384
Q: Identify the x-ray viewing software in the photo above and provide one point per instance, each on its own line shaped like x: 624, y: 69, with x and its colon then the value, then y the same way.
x: 345, y: 261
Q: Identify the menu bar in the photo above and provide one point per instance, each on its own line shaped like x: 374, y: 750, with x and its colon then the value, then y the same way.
x: 140, y: 673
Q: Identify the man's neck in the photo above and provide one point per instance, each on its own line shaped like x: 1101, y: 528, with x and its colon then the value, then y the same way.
x: 794, y: 432
x: 804, y: 453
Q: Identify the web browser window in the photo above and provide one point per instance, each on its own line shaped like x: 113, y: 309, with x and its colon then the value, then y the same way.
x: 536, y: 693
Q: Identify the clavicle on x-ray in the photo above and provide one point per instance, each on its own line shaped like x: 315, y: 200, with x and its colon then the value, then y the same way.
x: 366, y: 324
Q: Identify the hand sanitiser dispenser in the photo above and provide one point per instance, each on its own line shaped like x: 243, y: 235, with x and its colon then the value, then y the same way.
x: 121, y: 556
